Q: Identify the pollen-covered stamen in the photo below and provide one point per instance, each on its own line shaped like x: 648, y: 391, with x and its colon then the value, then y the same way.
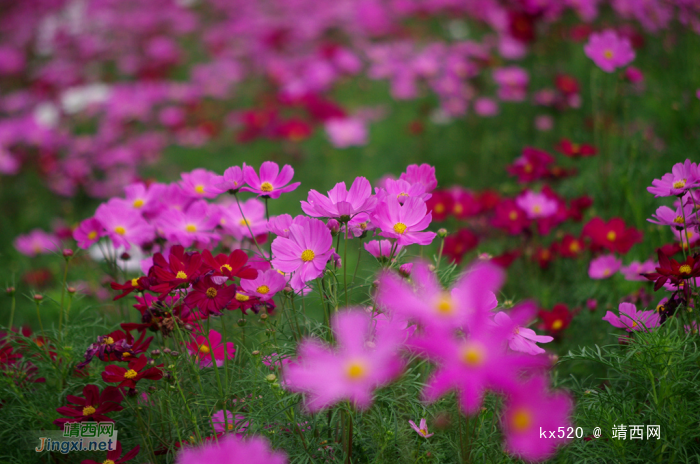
x: 92, y: 235
x: 611, y: 236
x: 679, y: 220
x: 130, y: 374
x: 444, y: 304
x: 180, y: 275
x: 191, y: 228
x: 204, y: 349
x: 608, y: 54
x: 537, y: 209
x: 229, y: 426
x: 107, y: 461
x: 685, y: 269
x: 521, y: 420
x: 679, y: 184
x: 574, y: 247
x: 199, y: 189
x: 263, y: 289
x: 138, y: 203
x: 88, y: 411
x: 634, y: 324
x: 244, y: 222
x: 513, y: 215
x: 473, y: 354
x: 556, y: 325
x: 439, y: 208
x: 241, y: 297
x: 120, y: 230
x: 307, y: 255
x: 527, y: 168
x: 356, y: 370
x: 575, y: 147
x: 211, y: 292
x: 266, y: 187
x: 225, y: 266
x: 399, y: 227
x: 134, y: 282
x: 108, y: 341
x: 660, y: 308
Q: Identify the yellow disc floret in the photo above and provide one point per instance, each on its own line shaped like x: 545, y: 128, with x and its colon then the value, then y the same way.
x: 355, y: 370
x: 120, y: 230
x: 88, y: 411
x: 399, y: 227
x: 130, y: 374
x: 211, y: 292
x: 307, y: 255
x: 241, y: 297
x: 225, y: 266
x: 679, y: 184
x: 556, y: 325
x: 611, y: 236
x: 266, y: 187
x: 180, y: 275
x: 472, y: 354
x: 108, y: 341
x: 204, y: 349
x: 263, y: 289
x: 92, y: 235
x: 191, y: 228
x: 685, y: 269
x: 521, y: 420
x: 199, y: 189
x: 138, y: 203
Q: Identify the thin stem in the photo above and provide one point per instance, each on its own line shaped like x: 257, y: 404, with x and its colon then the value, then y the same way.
x: 63, y: 294
x: 12, y: 310
x: 442, y: 246
x: 357, y: 264
x: 345, y: 264
x: 255, y: 242
x: 38, y: 314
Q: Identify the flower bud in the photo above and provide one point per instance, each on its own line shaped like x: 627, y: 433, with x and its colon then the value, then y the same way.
x: 71, y: 290
x: 155, y: 353
x: 174, y: 354
x: 10, y: 291
x: 125, y: 256
x: 67, y: 253
x: 405, y: 270
x: 333, y: 226
x: 255, y: 353
x: 166, y: 350
x: 189, y: 327
x: 241, y: 322
x: 442, y: 232
x: 38, y: 297
x: 151, y: 362
x: 271, y: 378
x: 263, y: 317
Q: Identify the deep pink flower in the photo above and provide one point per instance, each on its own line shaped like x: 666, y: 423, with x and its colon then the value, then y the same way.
x: 230, y: 424
x: 92, y: 407
x: 510, y: 217
x: 241, y: 225
x: 683, y: 176
x: 232, y: 450
x: 424, y: 174
x: 512, y: 83
x: 608, y: 50
x: 381, y: 249
x: 199, y: 183
x: 195, y: 224
x: 232, y: 181
x: 532, y: 165
x: 115, y: 456
x: 677, y: 218
x: 604, y: 267
x: 347, y: 132
x: 529, y: 409
x: 536, y: 205
x: 265, y: 285
x: 341, y: 203
x: 353, y: 369
x: 402, y: 190
x: 144, y: 199
x: 88, y: 233
x: 521, y: 338
x: 201, y: 349
x: 485, y: 107
x: 422, y: 430
x: 305, y: 252
x: 37, y: 242
x: 124, y: 225
x: 279, y: 225
x: 631, y: 319
x: 272, y: 182
x: 635, y: 268
x: 404, y: 222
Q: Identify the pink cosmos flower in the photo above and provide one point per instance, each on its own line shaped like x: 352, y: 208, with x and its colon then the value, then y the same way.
x: 682, y: 177
x: 201, y: 349
x: 381, y: 249
x: 37, y: 242
x: 272, y: 182
x: 346, y: 132
x: 402, y: 190
x: 468, y: 301
x: 536, y: 205
x: 88, y: 233
x: 521, y: 338
x: 341, y: 203
x: 305, y: 252
x: 635, y: 268
x: 544, y: 122
x: 350, y: 371
x: 265, y: 285
x: 230, y: 424
x: 232, y: 450
x: 512, y: 82
x: 530, y: 409
x: 424, y: 174
x: 631, y: 319
x: 199, y: 183
x: 486, y: 107
x: 422, y: 430
x: 241, y: 225
x: 279, y: 225
x: 404, y: 222
x: 608, y: 50
x: 677, y: 218
x: 231, y: 182
x: 144, y: 199
x: 195, y: 224
x: 604, y: 267
x: 124, y: 226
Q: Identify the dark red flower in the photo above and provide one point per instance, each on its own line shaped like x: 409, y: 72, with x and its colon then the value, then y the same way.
x: 458, y: 244
x: 543, y: 256
x: 532, y: 165
x: 521, y: 25
x: 116, y: 346
x: 670, y: 269
x: 92, y: 407
x: 612, y: 235
x: 181, y: 269
x: 671, y: 249
x: 464, y: 203
x: 567, y: 84
x: 505, y: 259
x: 209, y: 297
x: 137, y: 284
x: 295, y: 130
x: 575, y: 150
x: 233, y: 265
x: 128, y: 377
x: 571, y: 247
x: 488, y: 199
x: 440, y: 204
x: 580, y: 32
x: 115, y: 456
x: 557, y: 319
x: 578, y: 206
x: 509, y: 217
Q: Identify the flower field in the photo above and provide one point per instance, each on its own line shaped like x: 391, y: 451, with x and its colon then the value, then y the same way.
x: 359, y: 231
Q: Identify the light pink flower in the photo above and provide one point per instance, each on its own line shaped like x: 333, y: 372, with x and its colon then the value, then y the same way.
x: 193, y: 225
x: 241, y: 225
x: 232, y: 450
x: 424, y: 173
x: 683, y: 176
x: 341, y: 203
x: 422, y: 430
x: 230, y: 424
x: 37, y: 242
x: 346, y: 132
x: 265, y: 285
x: 199, y: 183
x: 536, y: 205
x: 88, y: 233
x: 632, y: 271
x: 381, y: 249
x: 404, y: 222
x: 512, y: 82
x: 486, y: 107
x: 604, y: 267
x: 521, y: 339
x: 202, y: 349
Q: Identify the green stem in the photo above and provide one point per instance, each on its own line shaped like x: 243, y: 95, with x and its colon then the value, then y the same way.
x: 345, y: 264
x: 12, y: 310
x: 255, y: 242
x: 63, y: 293
x: 38, y: 314
x: 442, y: 246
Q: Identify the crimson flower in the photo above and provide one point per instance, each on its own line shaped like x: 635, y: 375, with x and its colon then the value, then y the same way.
x: 137, y: 284
x: 92, y: 407
x: 544, y: 256
x: 209, y: 297
x: 506, y: 258
x: 532, y: 165
x: 575, y: 150
x: 578, y: 206
x: 571, y: 247
x: 460, y: 243
x: 670, y: 269
x: 116, y: 346
x: 135, y: 372
x: 441, y: 204
x: 510, y: 217
x: 612, y: 235
x: 181, y: 269
x: 557, y: 319
x: 115, y: 456
x: 566, y: 84
x: 233, y: 265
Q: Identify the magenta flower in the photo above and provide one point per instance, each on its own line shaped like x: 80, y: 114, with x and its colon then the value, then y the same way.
x: 404, y: 222
x: 346, y: 132
x: 37, y: 242
x: 88, y: 233
x: 631, y: 319
x: 230, y: 424
x: 529, y: 409
x: 201, y: 349
x: 485, y: 107
x: 536, y: 205
x: 512, y: 83
x: 305, y: 252
x: 683, y: 176
x: 199, y: 183
x: 341, y: 203
x: 360, y: 363
x: 677, y: 218
x: 145, y: 199
x: 402, y: 190
x: 423, y: 174
x: 272, y: 182
x: 241, y: 225
x: 195, y: 224
x: 422, y: 430
x: 231, y: 182
x: 603, y: 267
x: 265, y: 285
x: 635, y: 268
x: 279, y: 225
x: 232, y: 450
x: 609, y: 50
x: 521, y: 338
x: 381, y: 249
x: 469, y: 300
x: 124, y: 225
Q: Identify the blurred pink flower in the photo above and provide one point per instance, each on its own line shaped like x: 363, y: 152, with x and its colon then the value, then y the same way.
x: 404, y: 222
x: 231, y: 450
x: 631, y: 319
x: 422, y: 430
x: 604, y: 267
x: 230, y: 424
x: 202, y: 349
x: 536, y: 205
x: 37, y: 242
x: 485, y: 107
x: 341, y: 203
x: 608, y: 50
x: 347, y: 132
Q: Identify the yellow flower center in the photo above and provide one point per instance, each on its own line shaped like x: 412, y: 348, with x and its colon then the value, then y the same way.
x: 439, y: 208
x: 608, y: 54
x: 399, y: 227
x: 204, y: 349
x: 244, y: 222
x: 266, y: 187
x: 107, y: 461
x: 225, y: 266
x: 130, y: 374
x: 679, y: 220
x: 138, y: 203
x: 108, y: 341
x: 685, y: 269
x: 611, y: 236
x: 458, y: 209
x: 521, y: 420
x: 355, y: 370
x: 660, y: 308
x: 679, y: 184
x: 180, y: 275
x: 191, y: 228
x: 513, y: 215
x: 402, y: 194
x: 134, y: 282
x: 307, y: 255
x: 92, y: 235
x: 527, y: 168
x: 444, y: 304
x: 264, y: 289
x: 88, y: 411
x: 634, y: 324
x: 556, y: 325
x: 472, y: 355
x: 211, y: 292
x: 606, y: 272
x: 241, y: 297
x: 199, y: 189
x: 120, y: 230
x: 537, y: 209
x: 230, y: 427
x: 575, y: 147
x: 574, y: 247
